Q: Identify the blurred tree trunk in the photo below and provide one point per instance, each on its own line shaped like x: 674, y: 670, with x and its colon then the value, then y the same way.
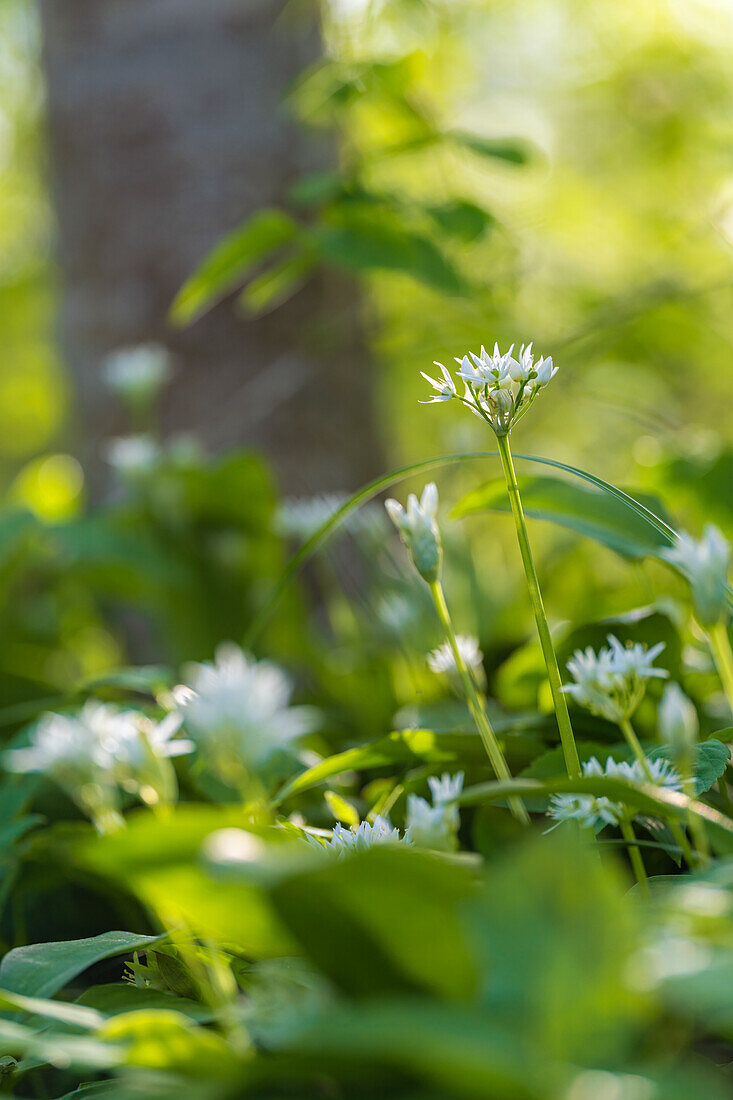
x: 166, y: 131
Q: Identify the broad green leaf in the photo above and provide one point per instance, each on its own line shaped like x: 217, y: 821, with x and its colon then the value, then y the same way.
x: 583, y: 510
x: 42, y: 969
x: 165, y: 1040
x: 228, y: 263
x: 350, y: 914
x: 514, y: 151
x: 82, y: 1051
x: 711, y: 761
x: 275, y: 285
x: 363, y: 237
x: 73, y: 1015
x: 115, y: 997
x: 461, y: 219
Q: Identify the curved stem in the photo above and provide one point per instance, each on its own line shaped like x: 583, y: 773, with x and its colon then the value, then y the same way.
x: 627, y: 831
x: 475, y: 703
x: 569, y: 748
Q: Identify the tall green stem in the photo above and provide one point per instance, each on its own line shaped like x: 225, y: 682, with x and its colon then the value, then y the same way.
x: 475, y: 703
x: 723, y: 657
x: 675, y: 828
x: 637, y: 862
x: 569, y: 748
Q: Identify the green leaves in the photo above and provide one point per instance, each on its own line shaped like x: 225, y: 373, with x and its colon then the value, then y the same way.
x: 230, y: 261
x: 711, y: 761
x: 584, y: 510
x: 42, y: 969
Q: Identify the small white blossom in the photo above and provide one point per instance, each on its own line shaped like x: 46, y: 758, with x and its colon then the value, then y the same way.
x: 445, y: 788
x: 592, y: 811
x: 499, y: 386
x: 612, y: 682
x: 705, y: 564
x: 419, y: 531
x: 446, y: 388
x: 138, y: 373
x: 442, y: 659
x: 237, y: 711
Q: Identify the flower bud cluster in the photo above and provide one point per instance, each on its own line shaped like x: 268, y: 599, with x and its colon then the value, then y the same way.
x: 498, y: 387
x: 612, y: 682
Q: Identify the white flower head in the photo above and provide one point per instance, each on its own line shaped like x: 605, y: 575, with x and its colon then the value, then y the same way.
x: 499, y: 386
x: 705, y: 564
x: 237, y: 710
x: 138, y: 373
x: 134, y: 455
x: 593, y: 812
x: 443, y: 660
x: 418, y: 528
x: 679, y: 725
x: 445, y: 788
x: 367, y: 835
x: 612, y: 682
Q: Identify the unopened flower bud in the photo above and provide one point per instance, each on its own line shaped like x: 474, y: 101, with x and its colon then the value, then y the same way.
x: 678, y: 722
x: 705, y: 564
x: 419, y: 530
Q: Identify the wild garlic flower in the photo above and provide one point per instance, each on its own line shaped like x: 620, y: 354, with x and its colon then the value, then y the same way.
x: 435, y: 826
x: 237, y: 710
x: 442, y: 659
x: 612, y: 682
x: 138, y: 373
x: 705, y: 564
x: 498, y: 387
x: 92, y: 753
x: 367, y: 835
x: 594, y: 812
x: 133, y: 456
x: 419, y: 530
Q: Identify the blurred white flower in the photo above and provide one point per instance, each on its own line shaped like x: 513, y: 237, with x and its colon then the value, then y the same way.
x: 592, y: 811
x: 132, y: 455
x: 435, y: 826
x: 366, y: 836
x: 612, y: 682
x: 705, y: 564
x: 419, y: 531
x: 237, y: 711
x: 499, y: 386
x: 301, y: 517
x: 138, y: 373
x: 442, y: 659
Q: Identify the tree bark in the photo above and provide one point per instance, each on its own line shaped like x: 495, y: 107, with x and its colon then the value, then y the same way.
x: 166, y: 130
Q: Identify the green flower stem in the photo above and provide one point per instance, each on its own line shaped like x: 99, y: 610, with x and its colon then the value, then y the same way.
x: 475, y: 703
x: 569, y: 748
x: 676, y: 829
x: 627, y: 831
x: 723, y: 657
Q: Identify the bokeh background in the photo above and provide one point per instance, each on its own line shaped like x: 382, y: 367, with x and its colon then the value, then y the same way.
x: 404, y: 180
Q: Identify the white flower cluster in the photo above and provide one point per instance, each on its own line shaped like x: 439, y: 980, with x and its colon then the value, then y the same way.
x: 237, y: 710
x: 443, y: 660
x: 427, y: 826
x: 705, y: 564
x: 435, y: 826
x: 301, y: 517
x: 93, y: 753
x: 591, y: 811
x: 366, y: 836
x: 612, y: 682
x: 419, y: 531
x: 498, y: 387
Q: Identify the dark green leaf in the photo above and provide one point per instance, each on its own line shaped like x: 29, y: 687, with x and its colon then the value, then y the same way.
x: 711, y: 761
x: 514, y: 151
x: 230, y: 261
x: 462, y: 219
